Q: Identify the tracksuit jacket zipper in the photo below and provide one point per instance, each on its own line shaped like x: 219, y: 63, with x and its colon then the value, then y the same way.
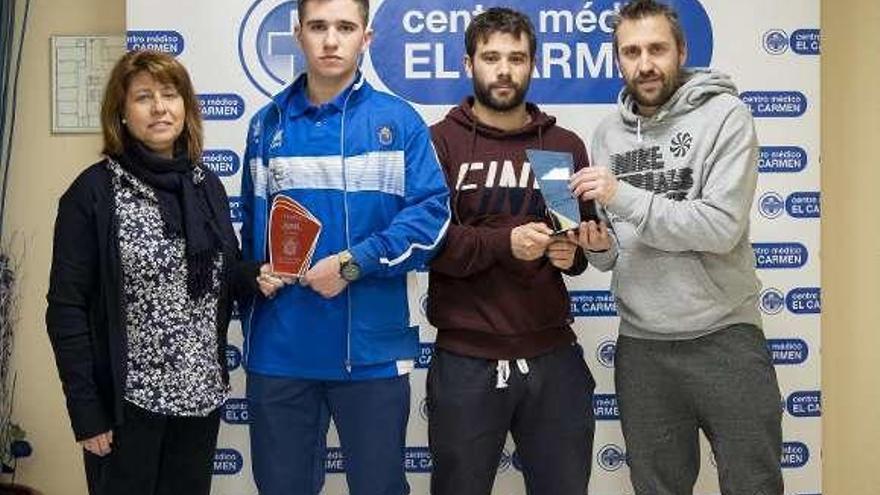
x: 348, y: 363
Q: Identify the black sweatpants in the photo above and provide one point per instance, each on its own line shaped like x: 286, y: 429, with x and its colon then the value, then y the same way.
x: 154, y: 454
x: 547, y: 407
x: 724, y: 384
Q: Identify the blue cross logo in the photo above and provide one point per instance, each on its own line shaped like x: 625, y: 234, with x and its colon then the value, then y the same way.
x: 605, y: 353
x: 611, y: 457
x: 281, y: 42
x: 772, y: 301
x: 771, y: 205
x: 504, y: 461
x: 278, y: 51
x: 775, y: 41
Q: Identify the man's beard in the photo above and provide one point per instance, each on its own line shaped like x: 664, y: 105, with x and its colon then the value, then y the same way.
x: 669, y: 85
x: 483, y: 94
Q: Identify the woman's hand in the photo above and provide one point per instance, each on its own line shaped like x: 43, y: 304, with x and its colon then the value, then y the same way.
x: 99, y: 444
x: 270, y: 283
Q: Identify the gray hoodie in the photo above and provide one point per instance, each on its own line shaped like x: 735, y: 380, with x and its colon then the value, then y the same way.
x: 683, y: 265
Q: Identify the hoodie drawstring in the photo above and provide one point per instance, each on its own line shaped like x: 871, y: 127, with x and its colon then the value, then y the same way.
x: 639, y: 129
x: 502, y: 370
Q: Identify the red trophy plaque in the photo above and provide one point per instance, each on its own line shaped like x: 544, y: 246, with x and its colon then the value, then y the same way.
x: 293, y: 235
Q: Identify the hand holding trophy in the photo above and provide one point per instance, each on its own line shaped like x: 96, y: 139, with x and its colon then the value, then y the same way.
x: 293, y: 236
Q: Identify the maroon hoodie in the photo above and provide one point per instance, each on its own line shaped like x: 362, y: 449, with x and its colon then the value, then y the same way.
x: 484, y: 302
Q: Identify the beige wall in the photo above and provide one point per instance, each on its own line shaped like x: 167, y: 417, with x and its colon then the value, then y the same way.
x: 43, y: 166
x: 851, y: 246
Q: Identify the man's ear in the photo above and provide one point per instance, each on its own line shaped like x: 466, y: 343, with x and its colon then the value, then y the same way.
x: 468, y: 64
x: 368, y: 38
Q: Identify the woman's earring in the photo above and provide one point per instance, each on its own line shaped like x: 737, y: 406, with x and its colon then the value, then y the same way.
x: 124, y: 121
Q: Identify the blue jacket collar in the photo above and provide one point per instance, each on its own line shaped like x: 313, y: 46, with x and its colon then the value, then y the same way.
x: 294, y: 102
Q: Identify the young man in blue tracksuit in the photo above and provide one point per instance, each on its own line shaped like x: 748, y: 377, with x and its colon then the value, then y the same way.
x: 338, y: 341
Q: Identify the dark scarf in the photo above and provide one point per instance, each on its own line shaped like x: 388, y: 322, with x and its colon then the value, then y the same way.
x: 184, y: 206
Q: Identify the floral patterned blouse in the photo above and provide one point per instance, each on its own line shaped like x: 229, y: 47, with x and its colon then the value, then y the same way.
x: 173, y: 362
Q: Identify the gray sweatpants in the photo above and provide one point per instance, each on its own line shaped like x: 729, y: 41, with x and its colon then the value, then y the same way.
x: 723, y: 383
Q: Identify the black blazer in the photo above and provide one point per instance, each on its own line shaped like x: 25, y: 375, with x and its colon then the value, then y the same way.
x: 84, y: 315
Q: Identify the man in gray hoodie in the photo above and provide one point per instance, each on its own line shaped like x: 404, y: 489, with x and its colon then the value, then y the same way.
x: 675, y: 172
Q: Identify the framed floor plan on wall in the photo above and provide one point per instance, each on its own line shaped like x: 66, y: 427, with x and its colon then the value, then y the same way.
x: 80, y: 66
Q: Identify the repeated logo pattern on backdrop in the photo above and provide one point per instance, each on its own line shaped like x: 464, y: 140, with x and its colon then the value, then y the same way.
x: 242, y: 51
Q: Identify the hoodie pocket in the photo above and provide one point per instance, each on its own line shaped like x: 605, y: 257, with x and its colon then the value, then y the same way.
x: 667, y: 292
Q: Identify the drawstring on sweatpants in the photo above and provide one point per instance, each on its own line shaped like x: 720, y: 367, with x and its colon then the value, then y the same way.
x: 502, y: 370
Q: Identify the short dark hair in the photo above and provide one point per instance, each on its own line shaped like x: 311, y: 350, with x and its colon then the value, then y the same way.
x: 165, y: 69
x: 499, y: 20
x: 364, y: 6
x: 640, y: 9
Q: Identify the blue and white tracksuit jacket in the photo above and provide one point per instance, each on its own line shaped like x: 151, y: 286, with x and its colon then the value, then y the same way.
x: 365, y: 166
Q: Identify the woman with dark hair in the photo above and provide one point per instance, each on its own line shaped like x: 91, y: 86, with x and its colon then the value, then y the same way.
x: 144, y: 271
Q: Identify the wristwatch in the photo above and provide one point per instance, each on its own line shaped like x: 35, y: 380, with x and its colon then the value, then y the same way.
x: 349, y: 270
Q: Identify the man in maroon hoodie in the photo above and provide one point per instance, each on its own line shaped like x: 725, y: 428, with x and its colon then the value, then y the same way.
x: 506, y: 358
